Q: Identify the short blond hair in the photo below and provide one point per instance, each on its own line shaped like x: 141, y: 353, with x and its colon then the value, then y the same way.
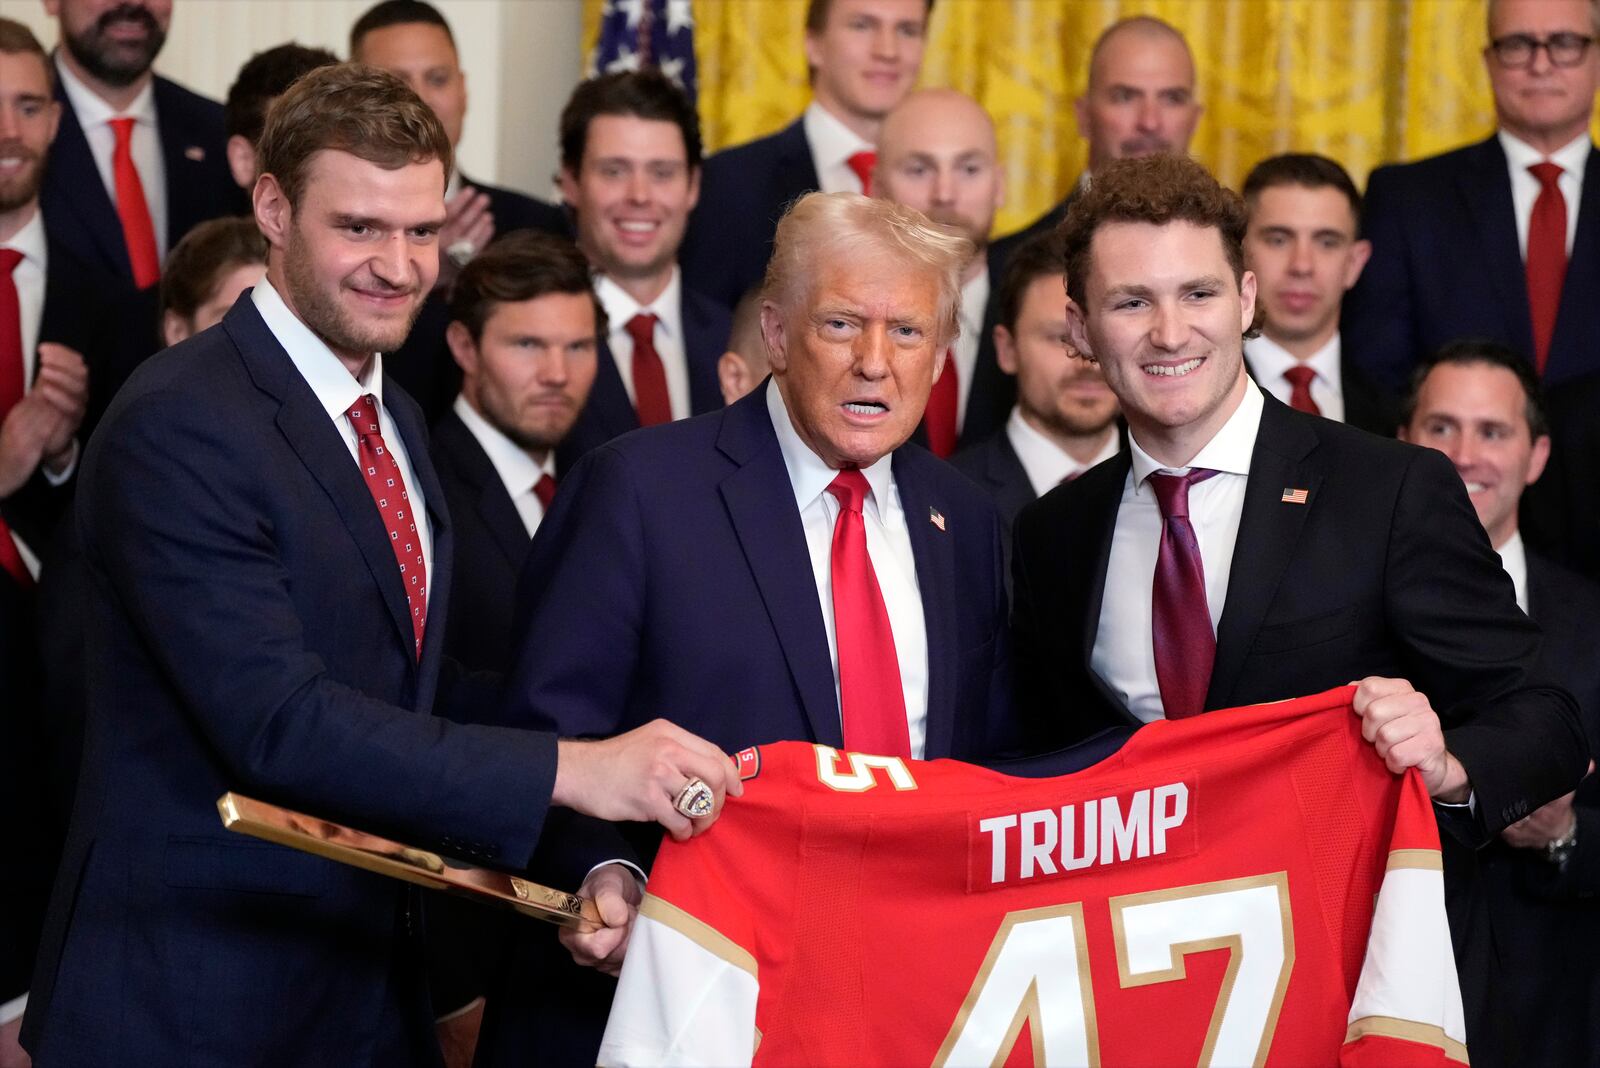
x: 850, y: 226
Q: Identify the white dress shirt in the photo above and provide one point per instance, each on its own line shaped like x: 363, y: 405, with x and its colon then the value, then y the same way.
x: 336, y: 390
x: 974, y: 302
x: 517, y: 470
x: 668, y: 310
x: 1572, y: 158
x: 832, y: 144
x: 1046, y: 464
x: 95, y: 116
x: 1514, y: 558
x: 888, y: 546
x: 1124, y: 650
x: 1269, y: 360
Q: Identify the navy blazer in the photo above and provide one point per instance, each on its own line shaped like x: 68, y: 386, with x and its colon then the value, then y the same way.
x: 609, y: 413
x: 247, y: 630
x: 744, y: 191
x: 81, y: 214
x: 1446, y: 265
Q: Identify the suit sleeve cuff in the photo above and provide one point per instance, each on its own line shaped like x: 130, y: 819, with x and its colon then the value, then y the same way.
x: 13, y: 1009
x: 62, y: 477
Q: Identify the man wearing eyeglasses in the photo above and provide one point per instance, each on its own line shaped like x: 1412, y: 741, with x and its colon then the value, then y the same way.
x: 1499, y: 240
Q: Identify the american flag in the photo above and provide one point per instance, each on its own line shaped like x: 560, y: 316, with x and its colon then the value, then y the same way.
x: 1294, y: 496
x: 647, y: 33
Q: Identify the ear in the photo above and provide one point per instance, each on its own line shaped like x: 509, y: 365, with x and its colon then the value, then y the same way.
x: 733, y: 375
x: 694, y: 187
x: 568, y: 182
x: 175, y: 329
x: 1360, y: 253
x: 813, y: 50
x: 1078, y: 331
x: 462, y: 348
x: 1005, y: 349
x: 242, y: 161
x: 1541, y: 456
x: 773, y: 333
x: 1247, y: 300
x: 999, y: 186
x: 274, y: 216
x: 55, y: 121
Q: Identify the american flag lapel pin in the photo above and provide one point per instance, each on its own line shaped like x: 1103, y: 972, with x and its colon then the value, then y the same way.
x: 195, y: 153
x: 936, y: 517
x: 1294, y: 496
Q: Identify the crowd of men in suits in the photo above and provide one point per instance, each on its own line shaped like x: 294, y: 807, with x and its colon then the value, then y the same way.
x: 721, y: 452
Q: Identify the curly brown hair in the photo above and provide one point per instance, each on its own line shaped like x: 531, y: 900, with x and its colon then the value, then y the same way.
x: 1157, y: 190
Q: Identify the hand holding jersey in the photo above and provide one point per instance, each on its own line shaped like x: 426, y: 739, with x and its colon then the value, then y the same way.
x: 1402, y: 725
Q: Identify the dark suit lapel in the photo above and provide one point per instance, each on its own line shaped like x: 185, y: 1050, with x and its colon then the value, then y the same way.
x: 1101, y: 507
x: 934, y: 549
x: 72, y: 169
x: 1486, y: 186
x: 311, y: 434
x: 705, y: 338
x: 761, y: 506
x: 1269, y: 531
x: 796, y: 172
x: 492, y: 503
x: 185, y: 164
x: 1578, y: 321
x: 608, y: 401
x: 408, y: 421
x: 1007, y: 475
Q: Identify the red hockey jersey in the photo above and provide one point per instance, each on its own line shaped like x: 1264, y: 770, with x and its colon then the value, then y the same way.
x: 1247, y: 887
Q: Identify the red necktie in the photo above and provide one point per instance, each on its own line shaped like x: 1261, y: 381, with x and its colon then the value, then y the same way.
x: 650, y: 397
x: 1300, y: 377
x: 940, y: 416
x: 1547, y: 258
x: 388, y: 489
x: 862, y: 163
x: 133, y: 209
x: 545, y: 490
x: 1185, y: 644
x: 872, y: 705
x: 13, y: 383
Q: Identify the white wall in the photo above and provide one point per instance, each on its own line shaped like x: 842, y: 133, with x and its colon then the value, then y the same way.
x: 522, y: 58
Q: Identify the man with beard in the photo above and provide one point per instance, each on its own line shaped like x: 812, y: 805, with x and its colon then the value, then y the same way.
x: 270, y: 563
x: 937, y: 153
x: 139, y: 159
x: 1065, y: 420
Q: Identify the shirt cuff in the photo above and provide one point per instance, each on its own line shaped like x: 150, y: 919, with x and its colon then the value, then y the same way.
x: 1470, y: 804
x: 638, y: 872
x: 13, y: 1009
x: 66, y: 472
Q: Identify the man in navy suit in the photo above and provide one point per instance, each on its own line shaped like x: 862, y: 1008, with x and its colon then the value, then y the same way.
x: 270, y: 566
x: 411, y: 39
x: 1479, y: 404
x: 708, y: 571
x: 139, y: 159
x: 630, y: 171
x: 1501, y: 239
x: 863, y: 57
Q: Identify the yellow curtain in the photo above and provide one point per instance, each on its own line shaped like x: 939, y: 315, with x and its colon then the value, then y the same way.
x: 1362, y: 81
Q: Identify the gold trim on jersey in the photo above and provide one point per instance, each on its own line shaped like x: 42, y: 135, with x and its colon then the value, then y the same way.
x: 1424, y: 859
x: 700, y: 933
x: 1409, y: 1031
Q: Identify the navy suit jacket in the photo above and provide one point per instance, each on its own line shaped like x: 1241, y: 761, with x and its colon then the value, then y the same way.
x: 81, y: 214
x: 1561, y: 512
x: 1446, y: 265
x: 247, y: 630
x: 609, y: 413
x: 744, y: 191
x: 994, y: 466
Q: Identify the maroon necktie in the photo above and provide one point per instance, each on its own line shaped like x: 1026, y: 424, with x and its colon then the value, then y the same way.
x: 13, y: 383
x: 1300, y: 377
x: 545, y: 490
x: 132, y: 209
x: 650, y: 397
x: 862, y: 163
x: 388, y: 489
x: 1180, y: 617
x: 1547, y: 258
x: 872, y: 705
x: 940, y: 417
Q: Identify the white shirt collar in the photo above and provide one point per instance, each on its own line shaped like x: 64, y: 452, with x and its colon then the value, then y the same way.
x: 1514, y: 558
x: 30, y: 241
x: 1269, y: 360
x: 831, y: 141
x: 514, y: 466
x: 621, y: 307
x: 1043, y: 461
x: 1571, y: 157
x: 93, y: 111
x: 974, y: 302
x: 1229, y: 451
x: 336, y: 388
x: 809, y: 477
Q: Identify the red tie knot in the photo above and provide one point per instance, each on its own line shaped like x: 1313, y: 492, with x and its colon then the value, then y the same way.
x: 1172, y: 491
x: 851, y: 489
x: 1548, y: 174
x: 9, y: 258
x: 862, y: 163
x: 545, y: 490
x: 123, y: 129
x: 642, y: 328
x: 1300, y: 376
x: 364, y: 415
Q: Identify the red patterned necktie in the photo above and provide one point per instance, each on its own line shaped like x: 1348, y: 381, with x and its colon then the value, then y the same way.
x: 872, y: 704
x: 13, y: 383
x: 382, y: 474
x: 940, y: 416
x: 132, y: 208
x: 650, y: 397
x: 1300, y: 377
x: 1185, y: 644
x: 545, y: 490
x: 1547, y: 258
x: 862, y: 163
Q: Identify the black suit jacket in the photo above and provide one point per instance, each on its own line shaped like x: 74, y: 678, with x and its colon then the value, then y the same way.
x: 1446, y: 265
x: 744, y: 191
x: 609, y: 413
x: 82, y: 215
x: 1561, y: 512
